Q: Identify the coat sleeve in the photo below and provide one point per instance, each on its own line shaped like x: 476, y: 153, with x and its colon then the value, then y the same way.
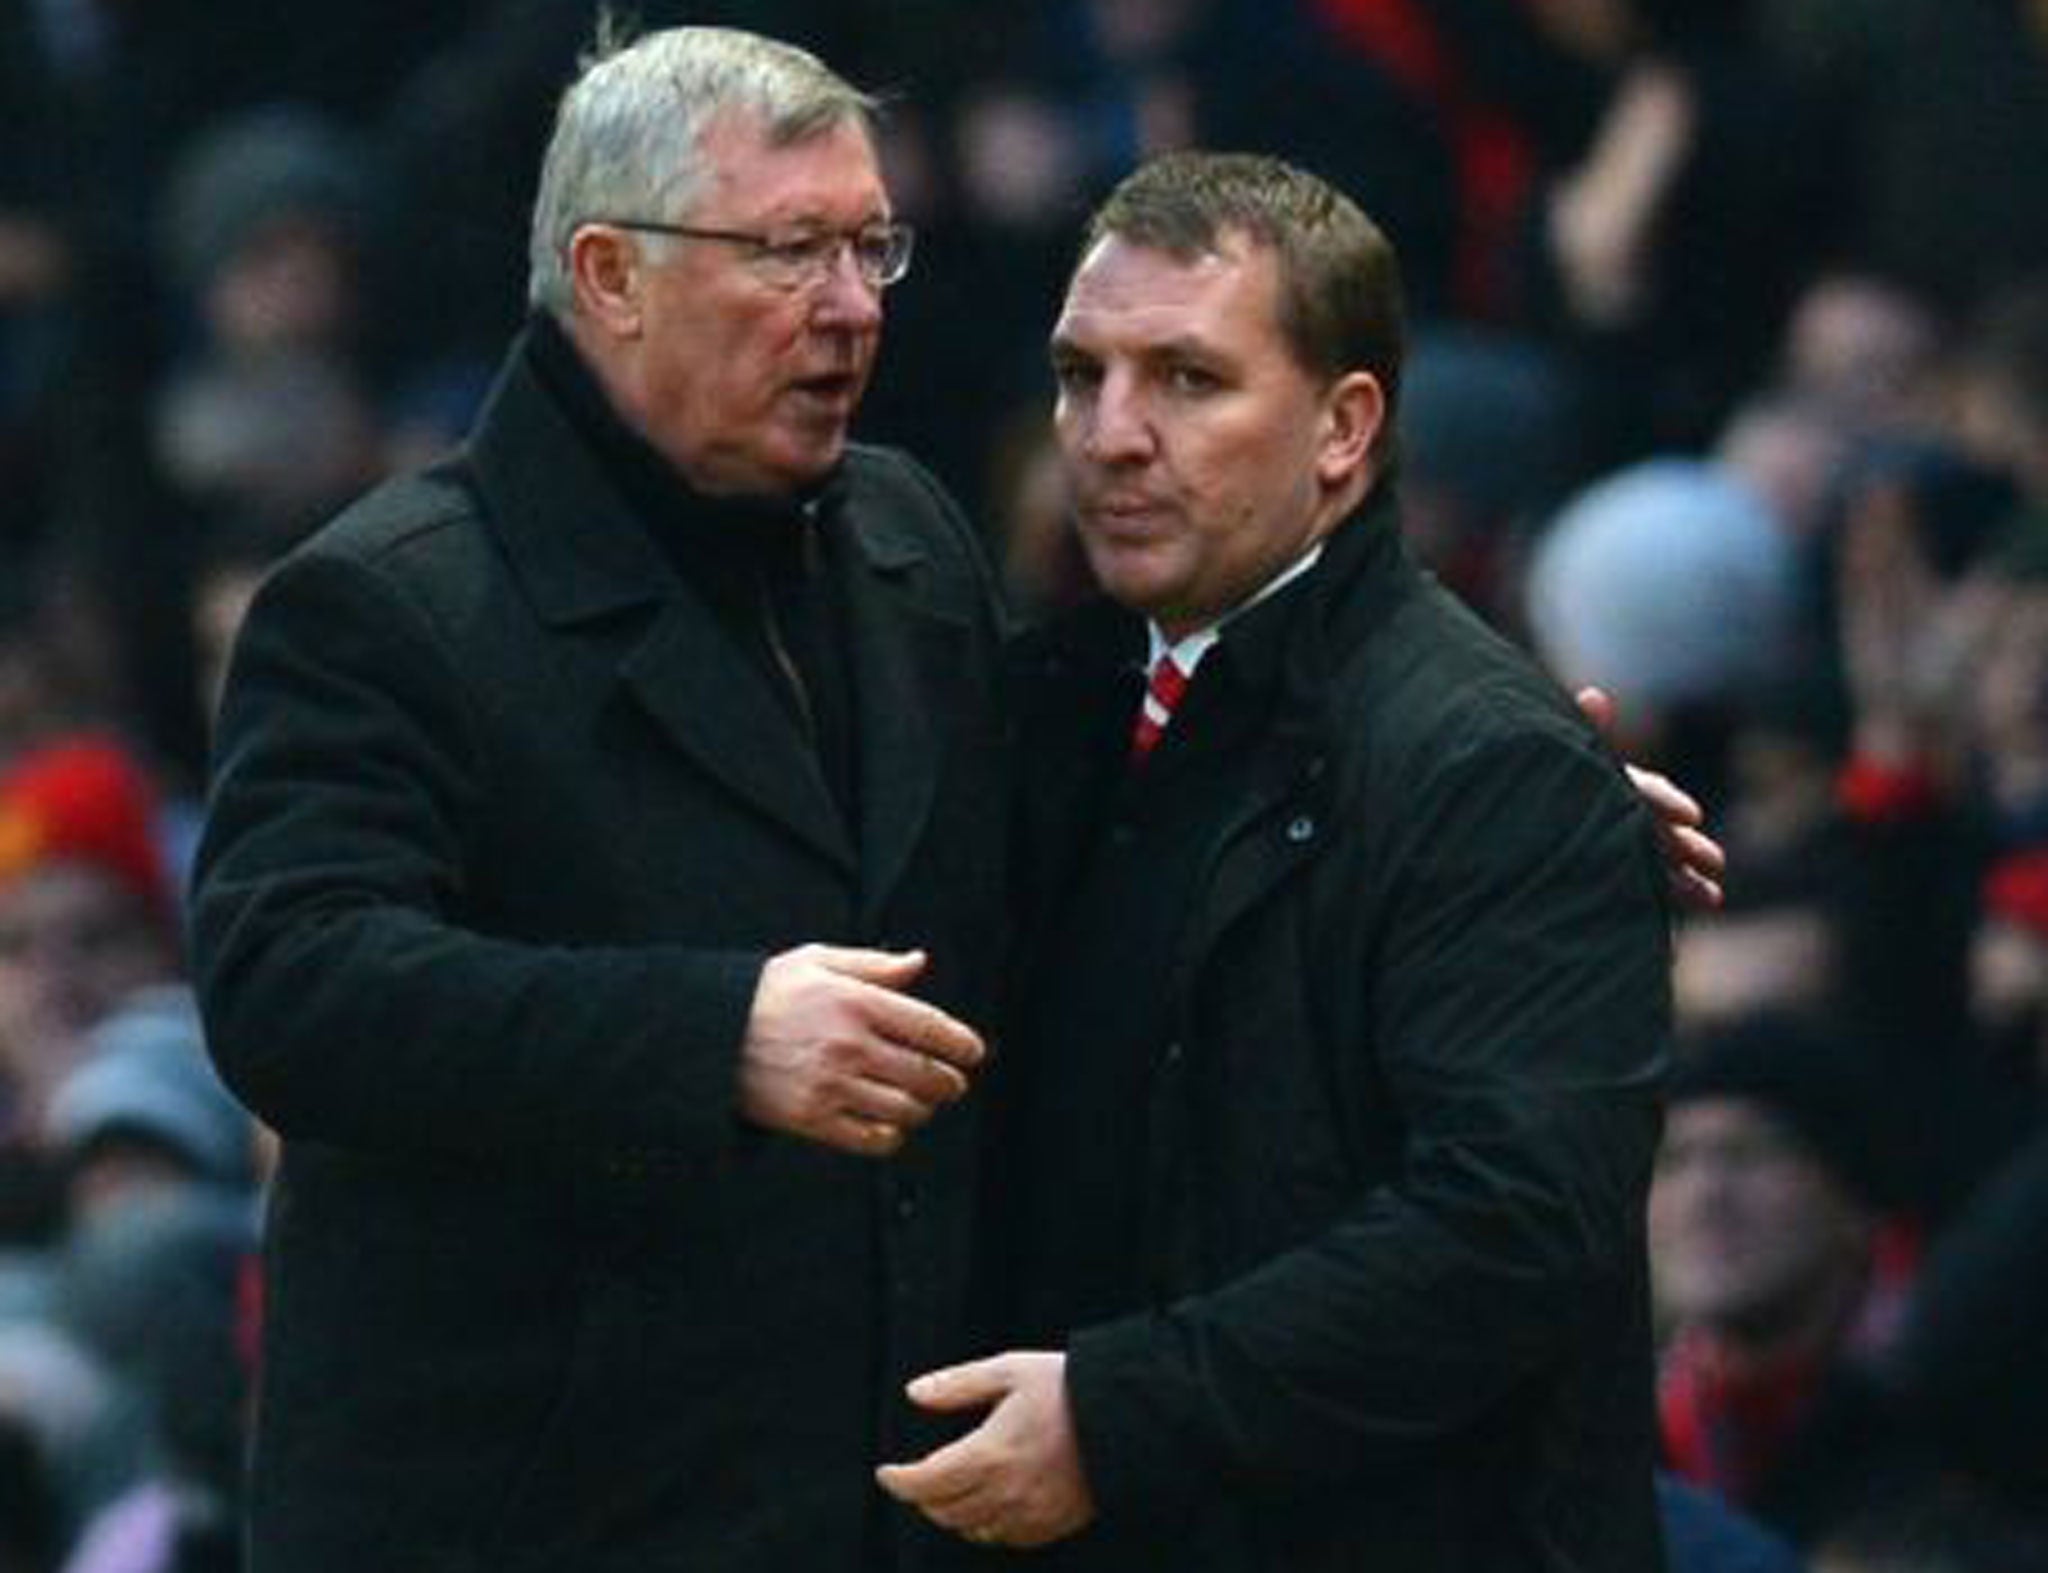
x: 1517, y: 996
x: 345, y: 1002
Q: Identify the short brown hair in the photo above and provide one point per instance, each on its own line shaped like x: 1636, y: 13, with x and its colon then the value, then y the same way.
x: 1340, y: 282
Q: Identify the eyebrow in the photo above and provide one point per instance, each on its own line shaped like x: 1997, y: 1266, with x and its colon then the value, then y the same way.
x: 812, y: 219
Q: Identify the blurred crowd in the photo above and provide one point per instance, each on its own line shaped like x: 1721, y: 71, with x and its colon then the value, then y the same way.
x: 1728, y: 391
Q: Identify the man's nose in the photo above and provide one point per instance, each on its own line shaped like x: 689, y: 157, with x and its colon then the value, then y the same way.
x: 845, y: 299
x: 1118, y: 430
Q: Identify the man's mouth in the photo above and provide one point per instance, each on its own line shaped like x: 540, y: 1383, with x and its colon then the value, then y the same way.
x: 1122, y: 512
x: 829, y: 386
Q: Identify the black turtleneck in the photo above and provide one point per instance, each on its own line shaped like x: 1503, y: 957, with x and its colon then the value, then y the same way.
x: 763, y: 565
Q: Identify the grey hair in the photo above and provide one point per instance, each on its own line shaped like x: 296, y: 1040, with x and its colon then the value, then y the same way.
x: 629, y: 131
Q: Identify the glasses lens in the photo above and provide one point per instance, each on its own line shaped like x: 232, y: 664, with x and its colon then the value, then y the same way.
x: 882, y: 252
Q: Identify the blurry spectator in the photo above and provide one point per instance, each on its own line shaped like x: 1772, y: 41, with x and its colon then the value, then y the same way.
x: 1942, y: 665
x: 1919, y: 602
x: 1488, y: 446
x: 234, y: 553
x: 2009, y: 963
x: 1703, y: 1533
x: 1866, y: 350
x: 1772, y: 949
x: 1972, y: 1361
x: 1669, y: 252
x: 63, y: 1396
x: 266, y: 223
x: 2006, y: 677
x: 1791, y: 449
x: 87, y: 911
x: 1515, y: 90
x: 39, y: 695
x: 155, y: 1290
x: 2002, y: 386
x: 286, y: 436
x: 145, y: 1113
x: 30, y: 1528
x: 1763, y: 1229
x: 1946, y: 105
x: 1945, y: 1528
x: 1043, y: 568
x: 268, y: 227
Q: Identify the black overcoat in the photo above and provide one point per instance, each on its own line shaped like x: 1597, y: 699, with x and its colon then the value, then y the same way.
x: 1401, y: 1109
x: 502, y: 828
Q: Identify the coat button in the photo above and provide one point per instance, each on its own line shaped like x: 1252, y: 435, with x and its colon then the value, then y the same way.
x: 1174, y: 1053
x: 1301, y: 828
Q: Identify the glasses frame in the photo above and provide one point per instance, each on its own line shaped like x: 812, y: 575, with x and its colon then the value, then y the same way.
x: 803, y: 275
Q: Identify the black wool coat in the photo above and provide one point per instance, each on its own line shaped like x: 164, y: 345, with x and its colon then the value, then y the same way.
x: 502, y: 829
x: 1401, y: 1100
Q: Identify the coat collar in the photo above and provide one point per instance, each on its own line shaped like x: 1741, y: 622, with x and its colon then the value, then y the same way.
x: 570, y: 530
x: 583, y: 556
x: 1079, y: 680
x: 1295, y: 641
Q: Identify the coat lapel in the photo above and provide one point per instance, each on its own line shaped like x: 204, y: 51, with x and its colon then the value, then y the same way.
x: 1281, y: 824
x: 906, y: 660
x: 584, y: 559
x: 716, y: 706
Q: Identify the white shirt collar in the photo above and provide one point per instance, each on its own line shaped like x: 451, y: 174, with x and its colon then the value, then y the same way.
x: 1188, y: 650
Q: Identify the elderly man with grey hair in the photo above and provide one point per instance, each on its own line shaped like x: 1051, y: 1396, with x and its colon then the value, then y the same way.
x: 600, y: 871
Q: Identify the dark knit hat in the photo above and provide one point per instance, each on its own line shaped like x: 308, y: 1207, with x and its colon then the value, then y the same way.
x: 1810, y: 1080
x: 252, y: 168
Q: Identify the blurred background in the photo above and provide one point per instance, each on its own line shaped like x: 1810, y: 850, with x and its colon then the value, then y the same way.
x: 1728, y: 391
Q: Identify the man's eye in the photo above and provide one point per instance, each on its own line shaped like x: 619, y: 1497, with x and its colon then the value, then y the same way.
x: 803, y: 251
x: 1192, y: 379
x: 1074, y: 376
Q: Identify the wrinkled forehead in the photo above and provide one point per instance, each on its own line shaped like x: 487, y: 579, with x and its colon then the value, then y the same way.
x: 829, y: 171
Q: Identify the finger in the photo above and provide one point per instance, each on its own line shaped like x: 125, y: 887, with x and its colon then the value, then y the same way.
x: 1696, y: 893
x: 879, y: 1104
x: 1671, y: 801
x: 969, y: 1386
x: 1597, y: 706
x: 911, y: 1071
x: 959, y: 1508
x: 1698, y: 852
x: 943, y: 1476
x: 865, y: 1137
x: 924, y: 1027
x: 889, y: 968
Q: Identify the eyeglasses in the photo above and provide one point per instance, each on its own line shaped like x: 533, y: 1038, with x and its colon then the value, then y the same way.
x: 881, y: 251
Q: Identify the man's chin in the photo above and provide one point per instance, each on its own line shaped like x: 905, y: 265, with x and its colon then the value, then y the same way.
x: 1127, y: 578
x: 801, y: 465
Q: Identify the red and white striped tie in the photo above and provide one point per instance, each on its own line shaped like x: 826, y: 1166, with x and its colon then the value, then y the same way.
x: 1162, y: 692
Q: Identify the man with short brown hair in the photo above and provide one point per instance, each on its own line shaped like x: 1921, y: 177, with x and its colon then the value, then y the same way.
x: 1332, y: 1102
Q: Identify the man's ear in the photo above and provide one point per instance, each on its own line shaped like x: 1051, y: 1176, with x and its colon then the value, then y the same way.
x: 1353, y: 410
x: 606, y: 275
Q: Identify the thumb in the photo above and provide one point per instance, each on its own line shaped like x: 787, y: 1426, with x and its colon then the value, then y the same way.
x: 889, y: 968
x: 972, y: 1386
